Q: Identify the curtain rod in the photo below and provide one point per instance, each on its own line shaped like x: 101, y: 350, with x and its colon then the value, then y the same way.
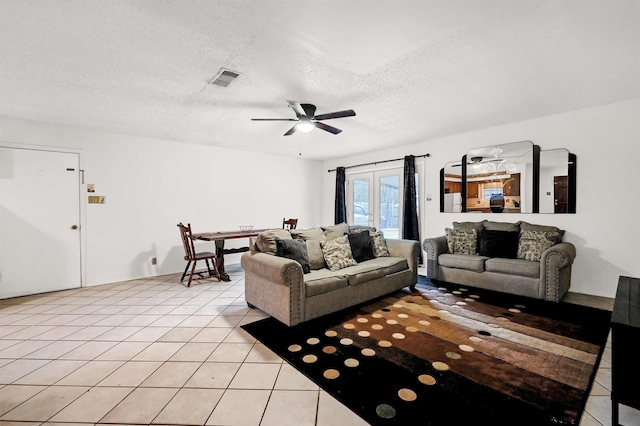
x: 379, y: 162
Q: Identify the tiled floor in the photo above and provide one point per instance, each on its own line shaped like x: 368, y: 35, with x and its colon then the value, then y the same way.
x: 152, y: 351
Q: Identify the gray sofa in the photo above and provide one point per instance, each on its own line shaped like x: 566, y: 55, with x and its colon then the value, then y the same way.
x: 519, y: 258
x: 285, y: 288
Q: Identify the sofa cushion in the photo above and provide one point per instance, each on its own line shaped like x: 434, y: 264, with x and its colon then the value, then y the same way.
x: 499, y: 243
x: 266, y: 241
x: 337, y: 253
x: 462, y: 261
x: 361, y: 247
x: 524, y: 226
x: 462, y: 241
x: 335, y: 231
x: 502, y: 226
x: 312, y: 236
x: 533, y: 243
x: 294, y: 250
x: 380, y: 248
x: 373, y: 269
x: 521, y: 267
x: 462, y: 226
x: 360, y: 228
x: 323, y: 281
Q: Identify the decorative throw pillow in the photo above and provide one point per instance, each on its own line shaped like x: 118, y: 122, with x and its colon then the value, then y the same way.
x: 312, y: 236
x: 294, y: 250
x: 463, y: 241
x: 337, y: 253
x: 335, y: 231
x: 379, y: 244
x: 502, y: 244
x: 361, y: 247
x: 266, y: 241
x: 533, y: 243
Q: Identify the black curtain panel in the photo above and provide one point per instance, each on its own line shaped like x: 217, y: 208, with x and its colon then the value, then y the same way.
x: 341, y: 199
x: 410, y: 229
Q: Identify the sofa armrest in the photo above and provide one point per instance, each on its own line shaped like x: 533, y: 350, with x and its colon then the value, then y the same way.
x: 555, y: 270
x: 275, y: 285
x: 434, y: 247
x: 406, y: 249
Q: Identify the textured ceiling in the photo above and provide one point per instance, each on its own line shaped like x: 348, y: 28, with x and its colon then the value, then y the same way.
x: 412, y: 70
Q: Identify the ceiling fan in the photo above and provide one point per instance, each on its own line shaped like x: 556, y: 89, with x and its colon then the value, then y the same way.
x: 307, y: 120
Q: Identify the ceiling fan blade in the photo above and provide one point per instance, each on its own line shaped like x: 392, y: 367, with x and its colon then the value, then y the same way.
x: 291, y: 131
x: 309, y: 109
x: 295, y: 106
x: 328, y: 128
x: 338, y: 114
x: 273, y: 119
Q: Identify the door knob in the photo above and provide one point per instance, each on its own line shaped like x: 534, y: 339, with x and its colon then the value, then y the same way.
x: 74, y: 227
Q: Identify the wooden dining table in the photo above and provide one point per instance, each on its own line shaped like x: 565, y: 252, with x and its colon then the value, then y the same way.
x: 219, y: 238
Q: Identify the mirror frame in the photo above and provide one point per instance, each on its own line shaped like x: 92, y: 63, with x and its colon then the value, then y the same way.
x: 572, y: 184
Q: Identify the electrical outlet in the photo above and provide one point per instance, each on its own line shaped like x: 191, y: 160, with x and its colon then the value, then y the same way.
x: 154, y: 260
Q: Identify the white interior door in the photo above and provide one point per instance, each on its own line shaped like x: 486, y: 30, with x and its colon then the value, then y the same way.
x: 39, y: 221
x: 374, y: 199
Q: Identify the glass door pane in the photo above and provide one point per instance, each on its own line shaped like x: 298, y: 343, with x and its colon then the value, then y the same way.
x: 389, y: 205
x: 359, y: 200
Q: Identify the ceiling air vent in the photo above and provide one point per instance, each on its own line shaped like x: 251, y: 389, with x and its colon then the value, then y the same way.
x: 224, y: 77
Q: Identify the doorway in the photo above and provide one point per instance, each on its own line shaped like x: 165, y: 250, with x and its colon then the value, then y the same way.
x: 39, y: 221
x: 374, y: 199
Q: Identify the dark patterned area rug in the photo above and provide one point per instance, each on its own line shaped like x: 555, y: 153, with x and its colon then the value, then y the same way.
x: 449, y: 355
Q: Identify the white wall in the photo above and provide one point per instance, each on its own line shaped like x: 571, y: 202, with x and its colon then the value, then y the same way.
x: 151, y: 185
x: 606, y: 227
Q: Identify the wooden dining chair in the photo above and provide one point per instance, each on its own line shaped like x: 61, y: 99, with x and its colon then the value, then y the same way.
x: 289, y: 223
x: 192, y: 257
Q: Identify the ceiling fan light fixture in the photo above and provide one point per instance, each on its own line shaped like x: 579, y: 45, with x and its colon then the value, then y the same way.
x: 304, y: 126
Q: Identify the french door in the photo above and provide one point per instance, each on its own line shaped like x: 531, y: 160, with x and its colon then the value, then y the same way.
x: 39, y: 221
x: 375, y: 199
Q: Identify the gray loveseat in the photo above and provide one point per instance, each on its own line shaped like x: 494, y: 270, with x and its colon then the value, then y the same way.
x: 293, y: 288
x: 519, y: 258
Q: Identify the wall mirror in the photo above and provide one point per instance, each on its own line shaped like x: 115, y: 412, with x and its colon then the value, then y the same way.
x: 557, y: 181
x: 502, y: 178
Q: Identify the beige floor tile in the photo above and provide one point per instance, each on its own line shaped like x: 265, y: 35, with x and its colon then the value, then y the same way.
x: 213, y: 334
x: 171, y: 375
x: 291, y: 379
x: 131, y: 374
x: 23, y: 332
x: 180, y: 334
x: 89, y: 350
x: 230, y: 352
x: 60, y: 319
x: 54, y: 350
x: 115, y: 320
x: 255, y: 376
x: 149, y: 334
x: 19, y: 368
x: 22, y: 349
x: 291, y: 408
x: 50, y: 373
x: 142, y: 320
x: 124, y: 351
x: 197, y: 321
x: 13, y: 395
x: 90, y: 374
x: 169, y: 320
x: 194, y: 352
x: 141, y: 406
x: 58, y: 333
x: 240, y: 407
x: 118, y: 334
x: 331, y: 412
x: 189, y: 406
x: 260, y: 353
x: 92, y: 405
x: 159, y: 351
x: 161, y: 310
x: 88, y: 333
x: 6, y: 343
x: 45, y: 404
x: 238, y: 335
x: 210, y: 310
x: 213, y: 375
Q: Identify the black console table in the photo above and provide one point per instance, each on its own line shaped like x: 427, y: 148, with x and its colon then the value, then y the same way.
x: 625, y: 334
